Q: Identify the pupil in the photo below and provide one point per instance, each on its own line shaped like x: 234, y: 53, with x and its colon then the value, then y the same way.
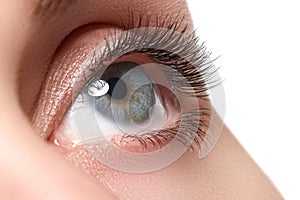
x: 117, y: 88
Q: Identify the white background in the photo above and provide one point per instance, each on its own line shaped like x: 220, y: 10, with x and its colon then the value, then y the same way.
x: 259, y: 44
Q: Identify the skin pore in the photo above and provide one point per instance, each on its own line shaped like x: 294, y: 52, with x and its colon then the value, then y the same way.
x: 30, y: 37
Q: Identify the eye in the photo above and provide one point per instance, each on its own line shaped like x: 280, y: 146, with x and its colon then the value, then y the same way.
x: 144, y: 90
x: 123, y: 101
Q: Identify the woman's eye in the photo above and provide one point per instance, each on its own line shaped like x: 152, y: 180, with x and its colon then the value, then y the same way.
x: 139, y: 95
x: 124, y: 102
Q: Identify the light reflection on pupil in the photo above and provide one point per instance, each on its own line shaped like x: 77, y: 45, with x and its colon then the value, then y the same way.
x: 117, y: 88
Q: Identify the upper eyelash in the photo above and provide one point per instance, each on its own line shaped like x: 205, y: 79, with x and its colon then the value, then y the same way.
x: 193, y: 64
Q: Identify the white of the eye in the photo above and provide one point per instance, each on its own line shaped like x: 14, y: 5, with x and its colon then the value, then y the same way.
x: 98, y: 88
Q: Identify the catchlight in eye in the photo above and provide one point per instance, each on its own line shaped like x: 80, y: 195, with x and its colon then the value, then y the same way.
x: 98, y: 88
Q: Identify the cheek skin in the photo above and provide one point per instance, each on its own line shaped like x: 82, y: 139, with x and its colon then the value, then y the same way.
x: 226, y: 173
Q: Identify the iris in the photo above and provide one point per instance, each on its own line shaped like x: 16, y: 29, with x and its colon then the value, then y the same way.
x: 130, y: 96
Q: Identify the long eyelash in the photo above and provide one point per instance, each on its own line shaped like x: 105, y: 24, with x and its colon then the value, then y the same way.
x: 183, y: 54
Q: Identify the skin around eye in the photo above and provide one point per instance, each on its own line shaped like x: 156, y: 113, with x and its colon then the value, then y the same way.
x: 157, y: 136
x: 62, y: 83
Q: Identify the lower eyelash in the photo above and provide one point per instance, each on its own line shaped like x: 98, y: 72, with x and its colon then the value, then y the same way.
x: 189, y: 124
